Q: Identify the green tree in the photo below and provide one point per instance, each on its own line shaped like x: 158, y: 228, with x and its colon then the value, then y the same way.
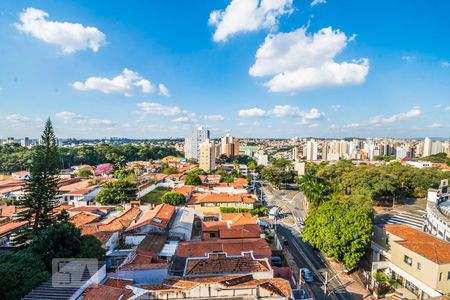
x: 91, y: 247
x: 339, y: 229
x: 116, y: 192
x: 173, y: 198
x: 314, y: 189
x: 122, y: 173
x: 20, y: 272
x: 61, y: 240
x: 170, y: 170
x: 192, y: 179
x: 42, y: 189
x: 84, y: 173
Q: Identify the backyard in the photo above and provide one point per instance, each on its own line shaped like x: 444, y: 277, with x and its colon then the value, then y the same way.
x: 154, y: 197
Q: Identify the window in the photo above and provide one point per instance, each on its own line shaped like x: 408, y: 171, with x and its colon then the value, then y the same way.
x: 448, y: 276
x: 440, y: 276
x: 419, y: 266
x: 407, y: 260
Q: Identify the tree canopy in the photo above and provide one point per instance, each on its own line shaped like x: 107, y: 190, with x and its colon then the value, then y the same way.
x: 340, y: 229
x: 116, y: 192
x: 173, y: 198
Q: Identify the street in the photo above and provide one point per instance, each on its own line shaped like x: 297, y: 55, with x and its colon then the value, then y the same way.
x: 304, y: 255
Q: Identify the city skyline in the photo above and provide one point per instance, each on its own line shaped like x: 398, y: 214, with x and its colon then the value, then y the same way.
x: 253, y: 70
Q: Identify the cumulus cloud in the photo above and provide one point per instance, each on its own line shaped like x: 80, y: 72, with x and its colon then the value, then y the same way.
x: 436, y: 125
x: 163, y: 90
x: 16, y: 118
x: 311, y: 115
x: 67, y: 116
x: 411, y: 114
x: 252, y: 112
x: 286, y: 110
x: 315, y: 125
x: 71, y: 37
x: 127, y: 83
x: 298, y: 61
x: 152, y: 108
x: 247, y: 16
x: 351, y: 125
x: 215, y: 118
x: 315, y: 2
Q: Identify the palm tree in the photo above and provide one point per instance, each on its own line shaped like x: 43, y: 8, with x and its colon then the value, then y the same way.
x: 315, y: 191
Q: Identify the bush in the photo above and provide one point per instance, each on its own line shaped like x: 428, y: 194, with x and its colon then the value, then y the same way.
x: 192, y: 179
x: 116, y: 192
x: 173, y: 198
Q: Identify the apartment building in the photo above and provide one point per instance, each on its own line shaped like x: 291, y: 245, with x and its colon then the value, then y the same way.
x: 207, y: 156
x: 419, y: 262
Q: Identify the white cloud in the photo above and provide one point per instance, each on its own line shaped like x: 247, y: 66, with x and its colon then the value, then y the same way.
x: 126, y: 83
x: 313, y: 114
x: 95, y: 122
x: 247, y: 16
x: 436, y: 125
x: 445, y: 64
x: 351, y: 125
x: 408, y: 58
x: 315, y: 125
x: 215, y: 118
x: 413, y: 113
x: 286, y: 110
x: 333, y: 126
x: 252, y: 112
x: 298, y: 61
x: 183, y: 120
x: 447, y: 108
x: 79, y: 119
x: 336, y: 107
x: 67, y: 115
x: 71, y: 37
x: 152, y: 108
x: 16, y: 118
x: 315, y: 2
x: 163, y: 90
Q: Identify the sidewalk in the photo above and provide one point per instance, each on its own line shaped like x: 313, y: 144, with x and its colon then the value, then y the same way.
x: 350, y: 282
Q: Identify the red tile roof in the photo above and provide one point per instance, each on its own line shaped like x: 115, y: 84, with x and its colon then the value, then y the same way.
x: 421, y: 243
x: 159, y: 216
x: 230, y: 246
x: 198, y: 198
x: 82, y: 218
x: 221, y: 264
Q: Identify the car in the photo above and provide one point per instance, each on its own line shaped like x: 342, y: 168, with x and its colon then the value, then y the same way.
x: 307, y: 275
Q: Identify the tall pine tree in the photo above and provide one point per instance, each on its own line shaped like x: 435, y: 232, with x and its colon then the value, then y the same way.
x: 42, y: 189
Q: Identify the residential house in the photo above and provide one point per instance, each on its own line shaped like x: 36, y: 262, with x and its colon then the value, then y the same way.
x: 210, y: 203
x: 155, y: 220
x: 419, y: 262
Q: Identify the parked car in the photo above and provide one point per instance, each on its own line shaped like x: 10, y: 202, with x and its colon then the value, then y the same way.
x: 307, y: 275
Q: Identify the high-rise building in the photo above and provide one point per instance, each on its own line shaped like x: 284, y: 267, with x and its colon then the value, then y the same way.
x: 229, y: 146
x: 10, y: 140
x: 295, y: 153
x: 25, y: 142
x: 198, y: 136
x: 427, y: 147
x: 188, y: 147
x: 262, y: 159
x: 311, y: 150
x: 207, y: 155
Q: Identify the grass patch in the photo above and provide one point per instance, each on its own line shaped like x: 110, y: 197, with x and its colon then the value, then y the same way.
x: 154, y: 197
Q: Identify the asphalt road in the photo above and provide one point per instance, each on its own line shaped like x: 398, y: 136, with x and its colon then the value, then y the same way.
x: 304, y: 255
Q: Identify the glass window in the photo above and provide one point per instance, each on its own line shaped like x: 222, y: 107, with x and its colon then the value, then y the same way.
x: 407, y: 260
x: 419, y: 266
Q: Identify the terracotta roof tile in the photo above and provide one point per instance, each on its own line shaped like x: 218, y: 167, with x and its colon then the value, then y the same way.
x: 229, y: 246
x: 159, y: 216
x: 220, y: 263
x: 423, y: 244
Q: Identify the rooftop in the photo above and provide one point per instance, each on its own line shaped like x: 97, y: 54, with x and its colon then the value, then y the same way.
x: 230, y: 246
x: 222, y: 264
x: 423, y: 244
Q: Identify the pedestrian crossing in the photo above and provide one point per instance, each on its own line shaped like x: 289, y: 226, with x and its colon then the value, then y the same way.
x: 413, y: 219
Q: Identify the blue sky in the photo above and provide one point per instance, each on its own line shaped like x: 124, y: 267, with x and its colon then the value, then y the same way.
x: 254, y: 68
